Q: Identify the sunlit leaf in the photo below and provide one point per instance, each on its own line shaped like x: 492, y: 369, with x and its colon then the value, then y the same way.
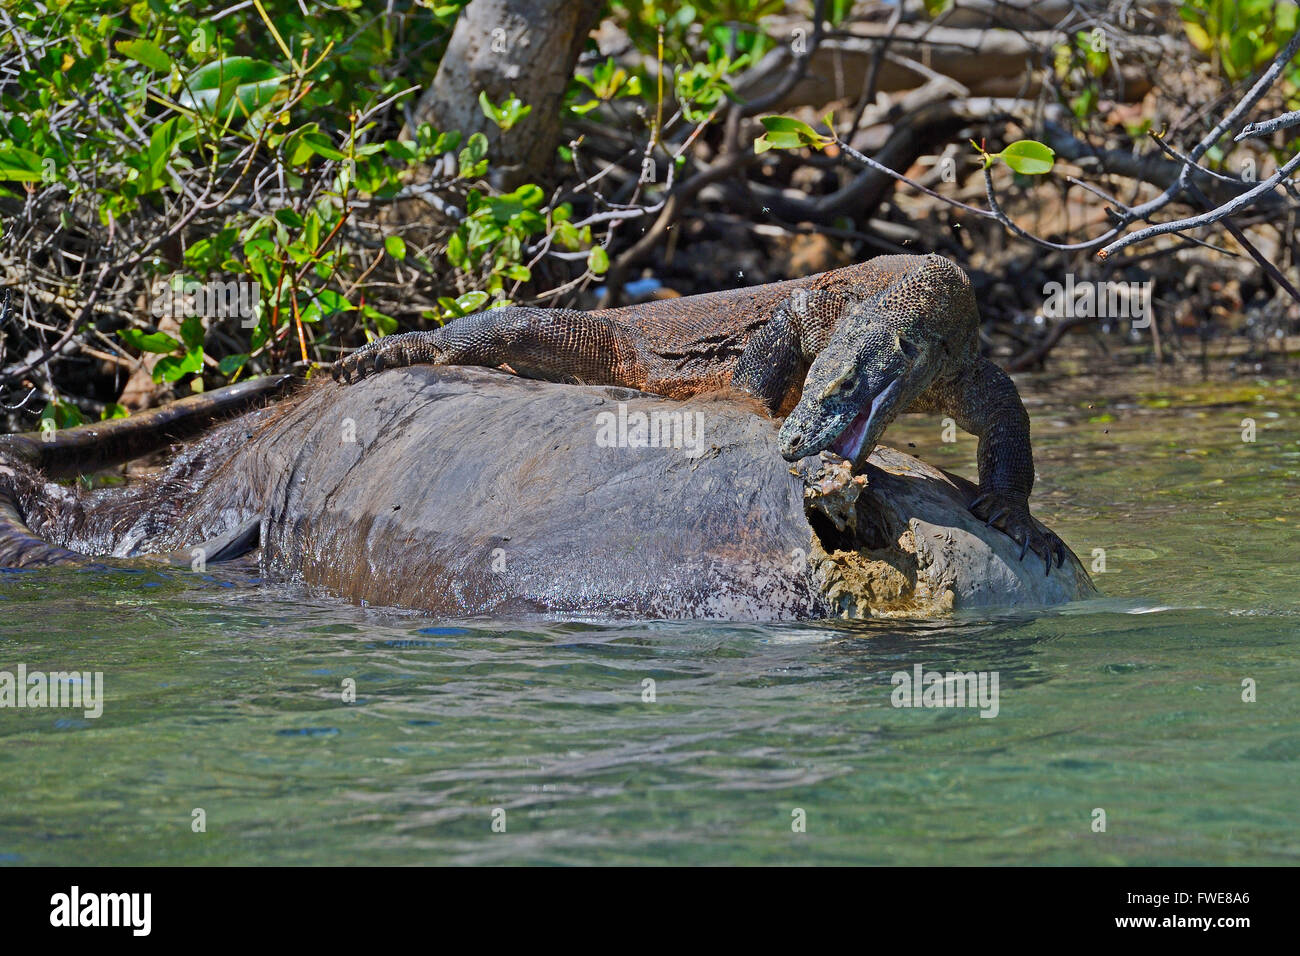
x: 142, y: 51
x: 1029, y: 157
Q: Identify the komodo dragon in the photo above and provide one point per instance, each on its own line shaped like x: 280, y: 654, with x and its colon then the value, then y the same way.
x: 842, y: 353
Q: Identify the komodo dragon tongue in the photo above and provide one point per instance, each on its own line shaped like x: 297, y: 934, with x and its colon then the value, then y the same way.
x: 851, y: 445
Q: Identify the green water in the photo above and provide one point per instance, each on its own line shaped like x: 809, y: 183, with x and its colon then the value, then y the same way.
x: 227, y: 696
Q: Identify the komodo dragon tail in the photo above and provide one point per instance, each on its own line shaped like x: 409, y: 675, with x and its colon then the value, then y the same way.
x: 90, y: 447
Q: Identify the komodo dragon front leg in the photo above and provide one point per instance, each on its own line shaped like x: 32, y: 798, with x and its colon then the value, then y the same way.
x: 777, y: 356
x: 562, y: 345
x: 984, y: 401
x: 557, y: 345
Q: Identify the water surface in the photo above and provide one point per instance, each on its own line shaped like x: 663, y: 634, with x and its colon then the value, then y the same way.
x: 226, y: 696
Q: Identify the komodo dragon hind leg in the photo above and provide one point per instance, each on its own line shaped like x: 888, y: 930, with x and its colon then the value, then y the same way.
x: 558, y: 345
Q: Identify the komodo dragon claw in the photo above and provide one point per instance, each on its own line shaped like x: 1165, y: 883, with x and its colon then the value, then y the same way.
x: 1011, y: 516
x: 393, y: 351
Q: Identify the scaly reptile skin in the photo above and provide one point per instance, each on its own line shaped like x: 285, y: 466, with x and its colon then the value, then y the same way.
x: 841, y: 354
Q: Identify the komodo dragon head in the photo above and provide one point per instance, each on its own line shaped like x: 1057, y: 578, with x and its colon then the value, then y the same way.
x: 885, y: 352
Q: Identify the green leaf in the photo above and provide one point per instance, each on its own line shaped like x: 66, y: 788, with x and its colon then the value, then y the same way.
x: 232, y: 363
x: 510, y: 112
x: 330, y: 302
x: 787, y: 124
x: 170, y: 368
x: 565, y: 235
x: 63, y: 414
x: 240, y: 81
x: 395, y: 246
x: 598, y: 260
x: 783, y: 132
x: 456, y: 253
x: 321, y: 145
x: 142, y: 51
x: 485, y: 104
x: 192, y: 333
x: 160, y: 150
x: 158, y: 342
x: 289, y: 217
x: 518, y: 205
x: 20, y: 165
x: 463, y: 305
x: 473, y: 162
x: 471, y: 301
x: 1029, y: 157
x: 385, y: 323
x: 1085, y: 103
x: 445, y: 143
x: 1286, y: 15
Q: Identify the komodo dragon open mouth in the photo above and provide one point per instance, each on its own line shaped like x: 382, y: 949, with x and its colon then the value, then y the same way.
x: 851, y: 442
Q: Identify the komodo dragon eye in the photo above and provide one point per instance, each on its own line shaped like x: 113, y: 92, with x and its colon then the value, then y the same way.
x: 837, y: 386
